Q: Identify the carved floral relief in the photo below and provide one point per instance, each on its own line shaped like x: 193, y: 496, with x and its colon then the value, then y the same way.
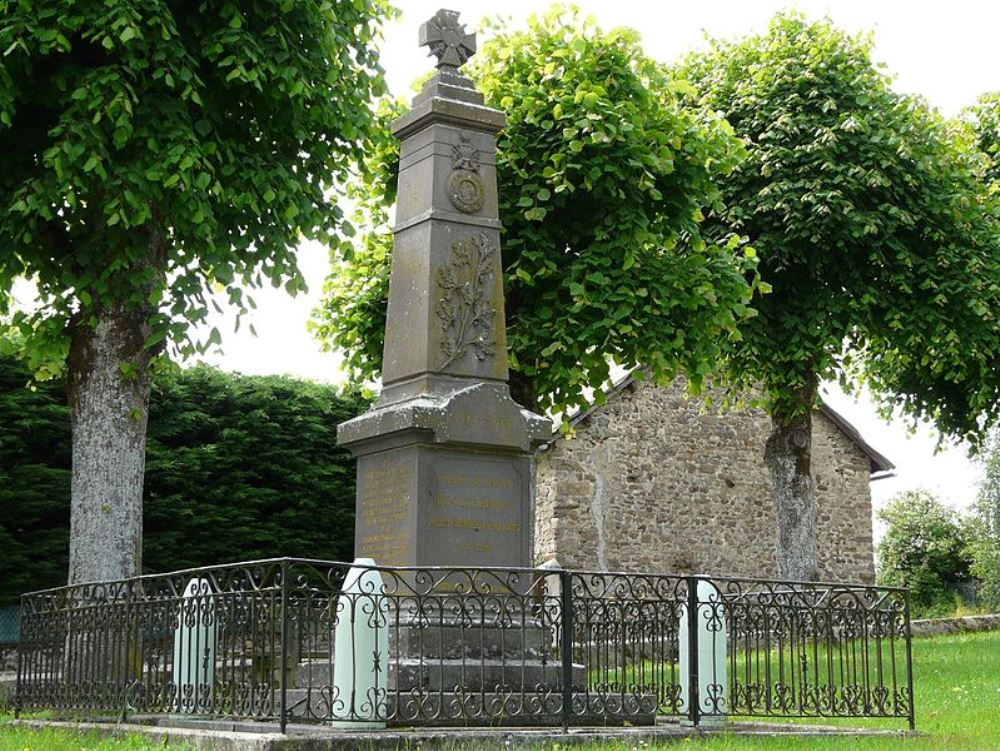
x: 465, y: 307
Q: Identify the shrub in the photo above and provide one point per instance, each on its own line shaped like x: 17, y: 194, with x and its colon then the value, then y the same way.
x: 924, y: 548
x: 237, y: 467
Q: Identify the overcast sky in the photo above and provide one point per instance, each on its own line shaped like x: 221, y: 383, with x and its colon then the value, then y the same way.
x: 944, y: 51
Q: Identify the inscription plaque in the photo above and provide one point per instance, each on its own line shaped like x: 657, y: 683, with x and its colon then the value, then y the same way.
x: 384, y: 523
x: 476, y: 509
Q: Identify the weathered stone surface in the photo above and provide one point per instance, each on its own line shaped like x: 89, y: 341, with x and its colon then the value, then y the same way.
x: 425, y: 505
x: 937, y: 626
x: 226, y: 735
x: 444, y: 458
x: 650, y: 482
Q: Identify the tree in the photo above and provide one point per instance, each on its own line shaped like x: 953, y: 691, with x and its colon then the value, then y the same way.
x: 237, y: 467
x: 984, y: 529
x: 162, y: 150
x: 603, y: 179
x: 984, y: 117
x: 255, y: 456
x: 878, y: 235
x: 923, y: 549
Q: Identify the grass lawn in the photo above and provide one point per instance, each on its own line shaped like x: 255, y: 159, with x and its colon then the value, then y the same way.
x: 957, y: 699
x: 13, y: 738
x: 20, y: 739
x: 957, y: 686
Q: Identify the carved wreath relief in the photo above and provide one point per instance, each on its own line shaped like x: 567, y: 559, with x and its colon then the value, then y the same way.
x: 465, y: 187
x: 465, y: 307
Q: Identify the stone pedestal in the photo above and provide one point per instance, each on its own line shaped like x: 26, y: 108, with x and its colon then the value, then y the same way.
x: 449, y: 481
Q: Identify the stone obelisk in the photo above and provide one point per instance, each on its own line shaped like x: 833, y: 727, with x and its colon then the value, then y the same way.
x: 445, y: 456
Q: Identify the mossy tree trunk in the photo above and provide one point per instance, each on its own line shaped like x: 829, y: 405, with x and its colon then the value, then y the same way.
x: 109, y: 407
x: 788, y: 456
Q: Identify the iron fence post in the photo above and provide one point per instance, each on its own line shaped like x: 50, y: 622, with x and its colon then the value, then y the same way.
x: 18, y: 686
x: 566, y: 615
x: 692, y: 647
x: 282, y: 676
x: 911, y: 716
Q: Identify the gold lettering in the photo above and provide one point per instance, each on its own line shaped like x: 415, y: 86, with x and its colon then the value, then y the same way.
x: 385, y: 496
x: 386, y: 548
x: 474, y: 524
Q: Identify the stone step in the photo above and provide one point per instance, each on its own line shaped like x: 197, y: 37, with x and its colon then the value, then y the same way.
x: 513, y: 709
x: 478, y: 675
x: 446, y: 674
x: 489, y: 641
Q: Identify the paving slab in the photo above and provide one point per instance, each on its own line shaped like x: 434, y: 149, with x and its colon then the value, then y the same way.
x: 219, y: 735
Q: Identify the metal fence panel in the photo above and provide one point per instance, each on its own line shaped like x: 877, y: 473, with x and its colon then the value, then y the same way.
x: 362, y: 646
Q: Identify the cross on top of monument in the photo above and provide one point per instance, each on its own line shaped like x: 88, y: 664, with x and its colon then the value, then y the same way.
x: 447, y: 39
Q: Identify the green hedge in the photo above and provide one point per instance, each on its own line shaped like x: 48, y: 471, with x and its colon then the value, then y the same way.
x: 237, y: 467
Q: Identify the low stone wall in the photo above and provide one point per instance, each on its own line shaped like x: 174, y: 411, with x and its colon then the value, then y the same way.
x: 936, y: 626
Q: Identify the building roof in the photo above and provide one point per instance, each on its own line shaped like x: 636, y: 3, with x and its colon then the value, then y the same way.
x: 880, y: 465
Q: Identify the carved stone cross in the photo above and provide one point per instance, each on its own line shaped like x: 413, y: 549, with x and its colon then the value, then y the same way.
x: 447, y: 39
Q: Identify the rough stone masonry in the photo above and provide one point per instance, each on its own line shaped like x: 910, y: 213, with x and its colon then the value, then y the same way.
x: 651, y: 482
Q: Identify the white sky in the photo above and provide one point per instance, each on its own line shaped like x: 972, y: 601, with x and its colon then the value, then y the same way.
x: 946, y: 52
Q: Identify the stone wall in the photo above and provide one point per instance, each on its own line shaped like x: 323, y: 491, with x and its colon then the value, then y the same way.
x: 651, y: 483
x: 957, y: 625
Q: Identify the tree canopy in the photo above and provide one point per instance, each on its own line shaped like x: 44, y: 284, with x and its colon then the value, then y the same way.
x: 873, y: 224
x: 604, y: 176
x: 238, y: 467
x: 878, y: 233
x: 210, y: 132
x: 164, y: 150
x: 984, y: 117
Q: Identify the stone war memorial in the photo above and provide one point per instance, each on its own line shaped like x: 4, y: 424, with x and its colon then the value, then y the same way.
x: 441, y: 620
x: 445, y: 457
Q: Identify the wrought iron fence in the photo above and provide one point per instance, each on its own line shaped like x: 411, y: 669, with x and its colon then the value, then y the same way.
x: 316, y: 641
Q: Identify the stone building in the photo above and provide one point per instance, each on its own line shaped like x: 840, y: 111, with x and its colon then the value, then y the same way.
x: 652, y: 482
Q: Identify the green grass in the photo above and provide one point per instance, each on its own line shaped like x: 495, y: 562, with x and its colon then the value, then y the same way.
x: 15, y: 738
x: 957, y: 702
x: 22, y: 739
x: 957, y: 687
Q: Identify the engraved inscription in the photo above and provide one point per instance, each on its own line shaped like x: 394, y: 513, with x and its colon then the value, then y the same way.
x: 477, y: 507
x: 386, y: 548
x: 383, y: 513
x: 465, y: 308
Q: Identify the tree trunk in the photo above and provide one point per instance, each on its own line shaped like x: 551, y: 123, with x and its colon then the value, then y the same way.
x: 108, y: 389
x: 788, y: 455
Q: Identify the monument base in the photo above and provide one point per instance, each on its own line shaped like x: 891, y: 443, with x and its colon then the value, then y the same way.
x: 445, y: 479
x: 470, y: 669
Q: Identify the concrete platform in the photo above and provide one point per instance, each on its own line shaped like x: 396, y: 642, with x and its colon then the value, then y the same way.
x: 216, y: 735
